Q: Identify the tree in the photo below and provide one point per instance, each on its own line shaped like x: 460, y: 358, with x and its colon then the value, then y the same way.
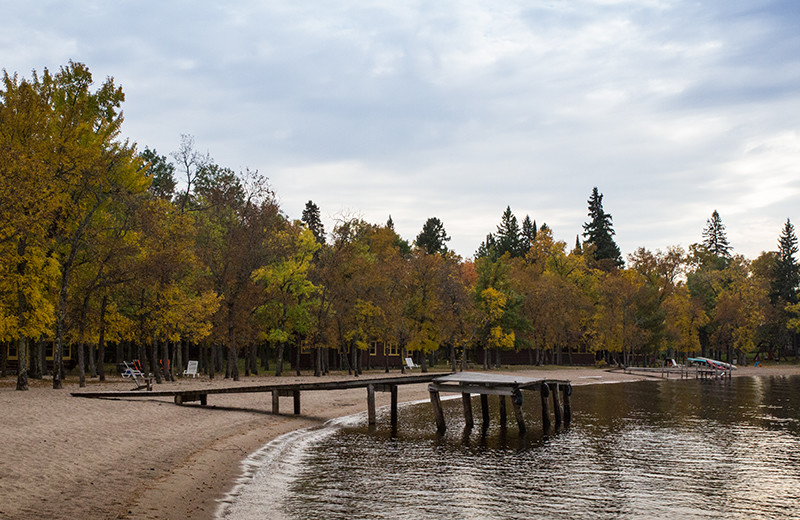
x: 313, y: 221
x: 787, y: 274
x: 432, y: 238
x: 714, y: 238
x: 509, y: 237
x: 161, y: 173
x: 599, y: 232
x: 528, y: 234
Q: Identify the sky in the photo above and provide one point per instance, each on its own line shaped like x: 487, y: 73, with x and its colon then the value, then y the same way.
x: 459, y: 108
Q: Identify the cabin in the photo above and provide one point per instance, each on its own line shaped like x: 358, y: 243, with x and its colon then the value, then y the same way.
x: 9, y: 356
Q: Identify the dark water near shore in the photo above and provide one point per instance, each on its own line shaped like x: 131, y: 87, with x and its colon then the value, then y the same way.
x: 669, y: 449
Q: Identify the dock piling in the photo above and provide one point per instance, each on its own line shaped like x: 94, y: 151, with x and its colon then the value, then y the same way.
x: 545, y: 393
x: 436, y: 402
x: 466, y: 400
x: 371, y: 404
x: 557, y: 412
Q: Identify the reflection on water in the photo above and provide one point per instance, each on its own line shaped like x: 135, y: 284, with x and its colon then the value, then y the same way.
x: 674, y: 449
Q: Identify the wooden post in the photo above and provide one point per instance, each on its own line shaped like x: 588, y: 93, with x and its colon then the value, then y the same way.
x: 516, y: 402
x: 485, y: 410
x: 178, y: 399
x: 275, y: 402
x: 503, y: 417
x: 203, y: 399
x: 296, y: 396
x: 371, y: 404
x: 436, y: 402
x: 466, y: 400
x: 393, y: 390
x: 545, y: 393
x: 557, y: 405
x: 567, y: 406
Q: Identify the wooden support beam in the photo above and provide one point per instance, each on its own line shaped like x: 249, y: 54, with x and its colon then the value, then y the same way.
x: 296, y: 398
x: 485, y: 410
x: 394, y: 405
x: 503, y: 416
x: 466, y: 400
x: 475, y: 389
x: 557, y: 404
x: 545, y: 394
x: 567, y: 406
x: 516, y: 402
x: 438, y: 414
x: 178, y: 399
x: 276, y: 409
x: 371, y: 404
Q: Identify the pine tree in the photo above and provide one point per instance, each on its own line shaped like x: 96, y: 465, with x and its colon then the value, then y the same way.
x: 509, y: 235
x: 311, y: 218
x: 488, y: 248
x: 432, y: 238
x: 528, y: 233
x: 599, y: 231
x: 714, y: 238
x: 787, y: 273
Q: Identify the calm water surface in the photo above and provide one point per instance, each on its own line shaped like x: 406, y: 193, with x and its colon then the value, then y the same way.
x: 669, y: 449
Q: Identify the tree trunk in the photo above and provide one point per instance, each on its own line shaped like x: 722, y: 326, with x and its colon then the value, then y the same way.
x: 34, y: 353
x: 81, y: 364
x: 165, y: 365
x: 154, y: 369
x: 211, y: 353
x: 22, y: 363
x: 101, y: 340
x: 279, y: 359
x: 297, y: 353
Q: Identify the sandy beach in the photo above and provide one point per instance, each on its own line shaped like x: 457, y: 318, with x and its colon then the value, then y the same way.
x: 68, y: 457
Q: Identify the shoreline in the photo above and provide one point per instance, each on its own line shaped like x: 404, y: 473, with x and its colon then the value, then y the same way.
x: 148, y: 458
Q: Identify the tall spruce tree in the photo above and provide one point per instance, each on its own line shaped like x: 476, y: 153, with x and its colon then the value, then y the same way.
x: 311, y: 218
x: 528, y: 233
x: 599, y: 232
x: 488, y: 248
x: 787, y: 273
x: 714, y: 237
x: 509, y: 235
x: 432, y: 239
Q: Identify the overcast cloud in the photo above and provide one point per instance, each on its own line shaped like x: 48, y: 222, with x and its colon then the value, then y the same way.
x: 457, y: 109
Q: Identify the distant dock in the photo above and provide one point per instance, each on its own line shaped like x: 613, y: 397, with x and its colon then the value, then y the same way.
x: 503, y: 386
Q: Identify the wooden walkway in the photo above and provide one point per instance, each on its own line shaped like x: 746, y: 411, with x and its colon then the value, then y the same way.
x: 468, y: 383
x: 380, y: 384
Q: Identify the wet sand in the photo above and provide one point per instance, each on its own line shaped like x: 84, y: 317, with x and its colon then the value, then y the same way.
x: 68, y: 457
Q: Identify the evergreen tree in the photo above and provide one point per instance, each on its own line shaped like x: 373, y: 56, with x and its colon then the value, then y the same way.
x: 390, y: 223
x: 714, y: 238
x: 311, y: 218
x: 432, y: 238
x: 509, y: 235
x: 488, y: 248
x: 162, y: 173
x: 578, y: 249
x: 528, y: 233
x: 599, y: 232
x: 787, y: 274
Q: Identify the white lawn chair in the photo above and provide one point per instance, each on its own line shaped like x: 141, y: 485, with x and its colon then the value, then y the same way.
x: 135, y: 373
x: 191, y: 369
x: 410, y: 364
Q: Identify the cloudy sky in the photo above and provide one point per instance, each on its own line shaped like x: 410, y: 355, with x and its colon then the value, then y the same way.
x: 457, y: 109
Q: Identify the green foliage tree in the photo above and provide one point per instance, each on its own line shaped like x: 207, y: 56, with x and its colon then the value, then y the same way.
x: 433, y: 237
x: 714, y: 237
x: 313, y: 221
x: 599, y: 232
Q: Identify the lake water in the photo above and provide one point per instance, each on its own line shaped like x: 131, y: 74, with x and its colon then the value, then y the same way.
x: 669, y: 449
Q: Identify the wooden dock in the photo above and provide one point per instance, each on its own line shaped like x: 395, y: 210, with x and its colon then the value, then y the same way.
x: 503, y: 386
x: 293, y: 390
